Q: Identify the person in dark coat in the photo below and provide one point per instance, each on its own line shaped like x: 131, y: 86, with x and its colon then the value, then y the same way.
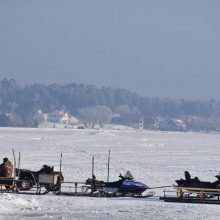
x: 6, y: 168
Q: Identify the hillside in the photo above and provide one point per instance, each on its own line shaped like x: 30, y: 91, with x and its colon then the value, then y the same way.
x: 23, y: 102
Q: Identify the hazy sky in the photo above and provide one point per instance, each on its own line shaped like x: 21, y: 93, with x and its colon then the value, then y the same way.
x: 167, y: 48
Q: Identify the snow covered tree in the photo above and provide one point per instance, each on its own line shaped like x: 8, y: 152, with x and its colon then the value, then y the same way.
x: 96, y: 114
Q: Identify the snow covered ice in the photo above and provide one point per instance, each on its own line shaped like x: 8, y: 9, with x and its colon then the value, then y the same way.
x: 153, y: 157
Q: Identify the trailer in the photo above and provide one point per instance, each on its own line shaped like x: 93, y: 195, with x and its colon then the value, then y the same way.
x: 32, y: 182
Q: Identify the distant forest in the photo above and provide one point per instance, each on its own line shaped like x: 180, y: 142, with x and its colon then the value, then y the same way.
x: 25, y: 101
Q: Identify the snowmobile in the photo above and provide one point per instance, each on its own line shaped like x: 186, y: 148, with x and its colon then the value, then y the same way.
x: 196, y: 183
x: 125, y: 186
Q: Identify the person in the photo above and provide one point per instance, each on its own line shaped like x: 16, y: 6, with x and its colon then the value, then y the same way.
x: 6, y: 168
x: 187, y: 176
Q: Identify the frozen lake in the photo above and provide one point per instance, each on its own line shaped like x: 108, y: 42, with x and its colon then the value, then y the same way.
x: 155, y: 158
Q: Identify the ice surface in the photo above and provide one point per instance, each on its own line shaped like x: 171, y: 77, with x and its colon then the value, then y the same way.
x: 155, y: 158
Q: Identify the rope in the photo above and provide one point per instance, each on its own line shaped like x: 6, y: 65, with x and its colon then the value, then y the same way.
x: 159, y: 187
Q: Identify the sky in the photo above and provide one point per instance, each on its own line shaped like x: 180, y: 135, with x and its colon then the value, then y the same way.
x: 157, y: 48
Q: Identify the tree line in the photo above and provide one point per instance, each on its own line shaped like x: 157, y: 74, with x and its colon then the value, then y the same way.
x: 25, y: 101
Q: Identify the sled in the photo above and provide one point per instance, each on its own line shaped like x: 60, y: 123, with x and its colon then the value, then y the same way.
x: 7, y: 184
x: 192, y: 195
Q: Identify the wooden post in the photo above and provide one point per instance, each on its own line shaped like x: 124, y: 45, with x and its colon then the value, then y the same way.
x: 108, y: 165
x: 14, y: 162
x: 75, y: 188
x: 92, y: 166
x: 179, y: 194
x: 201, y: 196
x: 19, y: 163
x: 164, y: 192
x: 61, y: 157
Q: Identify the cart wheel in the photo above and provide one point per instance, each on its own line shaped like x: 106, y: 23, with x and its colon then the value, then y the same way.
x: 26, y: 184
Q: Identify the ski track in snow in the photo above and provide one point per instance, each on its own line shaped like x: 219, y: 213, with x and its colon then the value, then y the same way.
x: 153, y: 157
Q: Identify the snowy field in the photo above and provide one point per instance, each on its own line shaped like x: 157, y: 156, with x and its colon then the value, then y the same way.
x: 155, y: 158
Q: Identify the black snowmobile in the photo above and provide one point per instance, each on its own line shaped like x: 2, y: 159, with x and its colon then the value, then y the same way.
x: 196, y: 183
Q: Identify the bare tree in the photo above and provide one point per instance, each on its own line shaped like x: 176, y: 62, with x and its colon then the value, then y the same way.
x: 97, y: 114
x: 104, y: 115
x: 85, y: 116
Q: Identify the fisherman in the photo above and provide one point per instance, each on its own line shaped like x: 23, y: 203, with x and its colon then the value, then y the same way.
x: 6, y: 168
